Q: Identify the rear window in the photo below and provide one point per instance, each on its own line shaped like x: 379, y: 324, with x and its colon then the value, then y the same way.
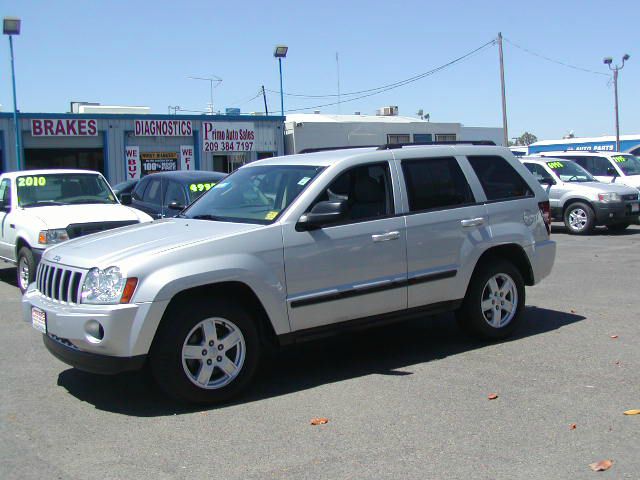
x: 436, y: 183
x: 499, y: 179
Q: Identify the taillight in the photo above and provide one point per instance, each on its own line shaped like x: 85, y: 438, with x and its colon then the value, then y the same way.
x: 545, y: 210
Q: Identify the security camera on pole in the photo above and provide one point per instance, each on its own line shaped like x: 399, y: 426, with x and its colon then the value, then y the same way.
x: 615, y: 68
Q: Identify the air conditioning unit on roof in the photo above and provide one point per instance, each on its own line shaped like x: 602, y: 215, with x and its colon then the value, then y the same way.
x: 390, y: 111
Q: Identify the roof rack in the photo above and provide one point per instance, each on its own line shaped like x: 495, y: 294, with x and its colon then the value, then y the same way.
x: 391, y: 146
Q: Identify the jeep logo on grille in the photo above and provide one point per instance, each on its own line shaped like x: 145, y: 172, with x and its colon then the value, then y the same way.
x: 57, y: 258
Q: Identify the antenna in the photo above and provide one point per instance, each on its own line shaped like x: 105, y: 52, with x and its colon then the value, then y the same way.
x: 212, y: 79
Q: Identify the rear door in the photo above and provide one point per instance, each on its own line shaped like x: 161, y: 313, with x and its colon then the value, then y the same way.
x: 151, y: 200
x: 445, y: 225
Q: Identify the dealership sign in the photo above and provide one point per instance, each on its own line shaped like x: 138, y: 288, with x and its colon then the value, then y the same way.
x: 154, y: 162
x: 47, y: 127
x: 228, y: 137
x: 163, y: 128
x: 186, y: 157
x: 133, y: 163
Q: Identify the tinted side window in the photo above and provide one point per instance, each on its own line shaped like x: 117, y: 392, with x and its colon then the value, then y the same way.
x: 599, y: 166
x: 175, y: 193
x: 138, y: 191
x: 435, y: 183
x: 153, y: 193
x: 5, y: 192
x: 538, y: 171
x: 366, y: 189
x: 499, y: 179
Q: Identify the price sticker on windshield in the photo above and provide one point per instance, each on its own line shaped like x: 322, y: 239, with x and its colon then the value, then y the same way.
x: 555, y: 165
x: 271, y: 215
x: 619, y: 159
x: 32, y: 181
x: 201, y: 187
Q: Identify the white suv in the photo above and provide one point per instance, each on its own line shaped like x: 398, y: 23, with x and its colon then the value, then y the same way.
x: 40, y: 208
x: 292, y: 248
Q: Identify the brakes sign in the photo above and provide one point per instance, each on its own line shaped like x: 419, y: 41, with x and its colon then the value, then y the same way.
x: 48, y: 127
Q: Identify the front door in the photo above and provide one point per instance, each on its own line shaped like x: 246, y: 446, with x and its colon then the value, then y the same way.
x: 353, y: 269
x: 6, y: 236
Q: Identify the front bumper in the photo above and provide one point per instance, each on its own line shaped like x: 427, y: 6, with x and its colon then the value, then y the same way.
x: 619, y: 212
x: 91, y: 362
x: 127, y: 331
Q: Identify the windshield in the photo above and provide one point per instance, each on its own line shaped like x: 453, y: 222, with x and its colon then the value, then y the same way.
x: 569, y: 171
x: 62, y: 189
x: 629, y: 164
x: 253, y: 194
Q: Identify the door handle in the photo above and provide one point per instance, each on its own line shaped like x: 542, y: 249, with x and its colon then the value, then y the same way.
x: 472, y: 222
x: 385, y: 237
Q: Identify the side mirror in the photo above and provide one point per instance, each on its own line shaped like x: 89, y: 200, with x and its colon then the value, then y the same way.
x: 611, y: 172
x: 547, y: 181
x: 175, y: 206
x: 323, y: 213
x: 125, y: 198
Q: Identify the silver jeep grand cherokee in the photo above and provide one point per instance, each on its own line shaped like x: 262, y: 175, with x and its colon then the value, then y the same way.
x: 292, y: 248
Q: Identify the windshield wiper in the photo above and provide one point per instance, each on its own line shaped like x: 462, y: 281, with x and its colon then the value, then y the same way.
x: 44, y: 202
x: 208, y: 217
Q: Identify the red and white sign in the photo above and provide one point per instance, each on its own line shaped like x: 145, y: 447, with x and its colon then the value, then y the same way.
x: 228, y: 137
x: 64, y: 127
x: 133, y: 163
x: 186, y: 157
x: 163, y: 128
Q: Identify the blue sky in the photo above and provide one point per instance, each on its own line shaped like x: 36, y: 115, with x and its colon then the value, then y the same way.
x: 141, y: 53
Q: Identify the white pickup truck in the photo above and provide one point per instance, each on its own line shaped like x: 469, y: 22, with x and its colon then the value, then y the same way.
x: 40, y: 208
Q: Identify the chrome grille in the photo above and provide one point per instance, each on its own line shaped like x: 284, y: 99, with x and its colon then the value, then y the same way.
x: 58, y: 282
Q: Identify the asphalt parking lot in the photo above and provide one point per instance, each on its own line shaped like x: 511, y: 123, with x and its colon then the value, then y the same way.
x: 406, y: 401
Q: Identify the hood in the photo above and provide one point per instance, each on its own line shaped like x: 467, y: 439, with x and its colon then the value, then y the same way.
x: 630, y: 180
x: 62, y: 215
x: 120, y: 245
x: 600, y: 187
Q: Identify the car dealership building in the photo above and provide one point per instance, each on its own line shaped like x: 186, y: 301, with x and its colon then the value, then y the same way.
x: 125, y: 146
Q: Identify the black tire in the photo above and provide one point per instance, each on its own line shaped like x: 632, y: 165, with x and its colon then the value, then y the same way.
x: 617, y: 227
x: 26, y: 261
x: 471, y: 316
x: 584, y: 211
x: 166, y: 352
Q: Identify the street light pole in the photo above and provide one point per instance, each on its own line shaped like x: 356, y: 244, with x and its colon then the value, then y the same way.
x: 615, y: 68
x: 280, y: 52
x: 504, y: 95
x: 11, y: 26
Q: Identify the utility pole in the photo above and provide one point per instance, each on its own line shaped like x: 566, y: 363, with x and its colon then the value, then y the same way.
x: 504, y: 96
x: 264, y: 97
x: 609, y: 61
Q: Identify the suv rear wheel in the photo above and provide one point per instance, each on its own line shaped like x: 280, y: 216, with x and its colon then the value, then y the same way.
x: 206, y: 351
x: 495, y: 300
x: 579, y: 218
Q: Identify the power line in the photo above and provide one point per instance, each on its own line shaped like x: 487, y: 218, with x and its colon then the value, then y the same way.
x: 376, y: 91
x: 400, y: 83
x: 568, y: 65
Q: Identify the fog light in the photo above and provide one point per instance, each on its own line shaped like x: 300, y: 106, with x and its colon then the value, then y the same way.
x: 94, y: 330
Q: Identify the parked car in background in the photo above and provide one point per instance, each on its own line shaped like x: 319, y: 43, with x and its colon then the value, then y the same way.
x: 124, y: 187
x: 165, y: 194
x: 296, y: 247
x: 40, y: 208
x: 581, y: 201
x: 607, y: 167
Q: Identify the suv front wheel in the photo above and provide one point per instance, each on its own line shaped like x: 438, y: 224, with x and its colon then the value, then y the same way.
x: 206, y: 351
x: 579, y: 218
x: 495, y: 300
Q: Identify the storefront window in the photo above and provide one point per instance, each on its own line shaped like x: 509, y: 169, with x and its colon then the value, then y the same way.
x: 83, y: 158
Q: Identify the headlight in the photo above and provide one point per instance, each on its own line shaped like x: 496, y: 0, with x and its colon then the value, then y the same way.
x: 51, y: 237
x: 609, y: 197
x: 107, y: 286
